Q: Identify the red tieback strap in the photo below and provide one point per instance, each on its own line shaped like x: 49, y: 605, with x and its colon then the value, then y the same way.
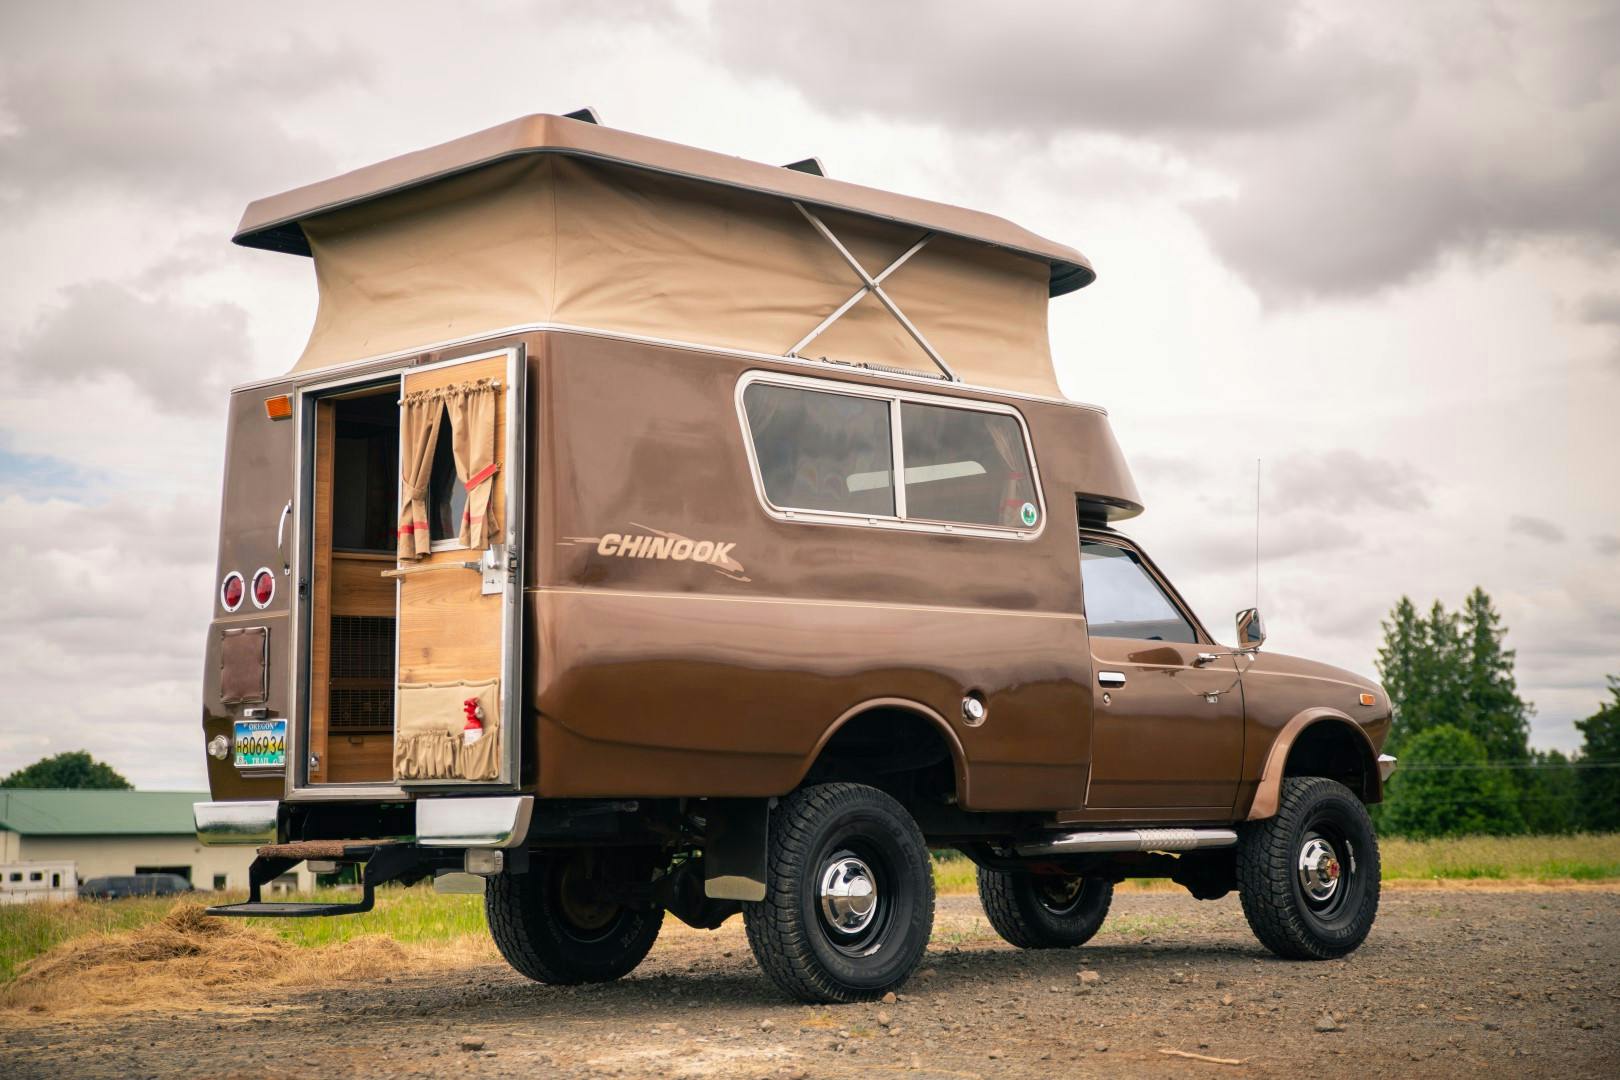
x: 482, y: 474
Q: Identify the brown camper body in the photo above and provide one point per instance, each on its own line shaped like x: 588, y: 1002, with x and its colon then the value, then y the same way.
x: 656, y: 641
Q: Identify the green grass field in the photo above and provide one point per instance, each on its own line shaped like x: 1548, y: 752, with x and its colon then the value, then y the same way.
x: 420, y: 915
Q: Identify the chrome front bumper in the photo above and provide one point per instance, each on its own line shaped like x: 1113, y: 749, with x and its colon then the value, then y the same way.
x: 477, y: 821
x: 1386, y: 765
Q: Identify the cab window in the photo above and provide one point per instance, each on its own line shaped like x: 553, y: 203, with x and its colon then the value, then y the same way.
x: 1122, y: 599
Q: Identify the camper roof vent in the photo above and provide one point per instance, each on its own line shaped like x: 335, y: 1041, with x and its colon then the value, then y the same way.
x: 587, y: 114
x: 811, y: 165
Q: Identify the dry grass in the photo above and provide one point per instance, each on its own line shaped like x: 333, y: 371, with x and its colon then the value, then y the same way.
x: 182, y: 957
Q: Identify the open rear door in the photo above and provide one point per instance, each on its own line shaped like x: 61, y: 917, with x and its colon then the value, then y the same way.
x: 460, y: 528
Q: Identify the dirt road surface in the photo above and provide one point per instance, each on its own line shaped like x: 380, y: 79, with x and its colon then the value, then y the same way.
x: 1452, y: 983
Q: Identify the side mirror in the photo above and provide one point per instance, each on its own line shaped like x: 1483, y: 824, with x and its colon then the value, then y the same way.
x: 1251, y: 631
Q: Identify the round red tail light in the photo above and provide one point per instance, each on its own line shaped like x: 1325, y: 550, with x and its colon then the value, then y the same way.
x: 231, y: 591
x: 264, y: 587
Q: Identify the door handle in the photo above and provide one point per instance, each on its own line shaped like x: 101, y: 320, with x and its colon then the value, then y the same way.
x: 1111, y: 678
x: 281, y: 542
x: 428, y: 568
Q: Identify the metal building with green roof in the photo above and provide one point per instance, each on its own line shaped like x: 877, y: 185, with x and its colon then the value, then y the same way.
x: 107, y: 833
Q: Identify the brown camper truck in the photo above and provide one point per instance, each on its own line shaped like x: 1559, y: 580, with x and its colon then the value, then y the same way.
x: 648, y: 530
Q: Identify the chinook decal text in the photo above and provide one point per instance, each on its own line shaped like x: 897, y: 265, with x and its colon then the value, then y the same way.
x: 666, y: 546
x: 651, y: 543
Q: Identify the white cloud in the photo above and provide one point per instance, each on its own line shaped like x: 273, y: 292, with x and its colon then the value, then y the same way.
x: 1361, y: 144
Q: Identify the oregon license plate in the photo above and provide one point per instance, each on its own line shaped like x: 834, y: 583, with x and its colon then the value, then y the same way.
x: 261, y: 744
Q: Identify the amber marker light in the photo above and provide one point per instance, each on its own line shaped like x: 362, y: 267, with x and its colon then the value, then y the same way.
x: 278, y: 407
x: 1368, y: 699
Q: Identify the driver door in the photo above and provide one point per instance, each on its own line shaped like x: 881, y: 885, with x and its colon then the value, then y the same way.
x: 1167, y: 728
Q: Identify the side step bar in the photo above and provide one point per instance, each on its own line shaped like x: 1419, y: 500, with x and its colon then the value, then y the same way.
x: 1087, y: 843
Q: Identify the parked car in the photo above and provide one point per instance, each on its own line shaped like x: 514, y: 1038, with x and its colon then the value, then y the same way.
x: 120, y: 886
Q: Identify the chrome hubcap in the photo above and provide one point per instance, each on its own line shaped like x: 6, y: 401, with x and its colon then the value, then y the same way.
x: 849, y: 897
x: 1319, y: 870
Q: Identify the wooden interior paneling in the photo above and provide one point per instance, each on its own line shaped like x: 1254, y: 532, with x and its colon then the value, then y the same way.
x: 448, y: 630
x: 358, y: 587
x: 320, y: 590
x: 341, y: 583
x: 357, y: 758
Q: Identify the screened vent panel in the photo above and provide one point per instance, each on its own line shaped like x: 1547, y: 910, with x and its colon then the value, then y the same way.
x: 362, y: 679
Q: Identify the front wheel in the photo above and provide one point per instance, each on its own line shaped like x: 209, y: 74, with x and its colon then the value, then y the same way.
x: 1044, y: 911
x: 1309, y: 876
x: 555, y: 924
x: 849, y: 895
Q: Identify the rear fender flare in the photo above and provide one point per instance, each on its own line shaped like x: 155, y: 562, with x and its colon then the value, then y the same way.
x: 916, y: 708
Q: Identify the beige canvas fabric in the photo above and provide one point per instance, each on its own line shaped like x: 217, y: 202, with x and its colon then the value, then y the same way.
x: 471, y: 407
x: 551, y: 239
x: 419, y: 435
x: 428, y: 742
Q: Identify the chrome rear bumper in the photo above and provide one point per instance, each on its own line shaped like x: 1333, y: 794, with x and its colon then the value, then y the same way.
x: 496, y: 821
x: 225, y: 823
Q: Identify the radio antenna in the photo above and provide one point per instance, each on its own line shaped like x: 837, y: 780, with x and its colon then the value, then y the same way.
x: 1256, y: 532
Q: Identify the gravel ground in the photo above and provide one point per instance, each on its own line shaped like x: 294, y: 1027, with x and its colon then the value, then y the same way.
x: 1501, y: 983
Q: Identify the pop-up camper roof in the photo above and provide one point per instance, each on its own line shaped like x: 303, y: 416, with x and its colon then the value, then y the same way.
x: 560, y: 221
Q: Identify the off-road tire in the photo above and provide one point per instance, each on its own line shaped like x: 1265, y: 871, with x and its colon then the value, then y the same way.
x: 1024, y: 911
x: 1270, y: 881
x: 534, y: 934
x: 812, y: 831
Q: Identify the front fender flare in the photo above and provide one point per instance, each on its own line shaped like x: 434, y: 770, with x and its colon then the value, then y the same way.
x: 1269, y: 792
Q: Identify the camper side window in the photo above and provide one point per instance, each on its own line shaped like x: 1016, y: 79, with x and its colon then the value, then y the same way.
x: 822, y: 451
x: 966, y: 465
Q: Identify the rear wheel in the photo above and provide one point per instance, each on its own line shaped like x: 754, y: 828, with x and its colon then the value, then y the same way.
x: 849, y: 901
x: 1309, y: 876
x: 555, y: 923
x: 1044, y: 911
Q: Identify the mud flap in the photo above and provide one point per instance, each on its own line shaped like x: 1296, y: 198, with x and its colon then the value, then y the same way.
x: 734, y: 849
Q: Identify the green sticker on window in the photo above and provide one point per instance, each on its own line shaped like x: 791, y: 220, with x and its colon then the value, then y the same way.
x: 1028, y: 513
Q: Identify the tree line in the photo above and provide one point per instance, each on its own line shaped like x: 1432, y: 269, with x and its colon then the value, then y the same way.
x: 1462, y: 734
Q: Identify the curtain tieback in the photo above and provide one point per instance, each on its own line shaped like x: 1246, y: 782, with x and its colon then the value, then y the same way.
x: 482, y: 474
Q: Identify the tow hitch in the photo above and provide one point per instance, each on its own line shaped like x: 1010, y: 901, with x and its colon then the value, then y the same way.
x: 380, y: 861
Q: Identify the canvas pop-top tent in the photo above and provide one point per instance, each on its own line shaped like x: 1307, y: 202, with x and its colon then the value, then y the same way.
x: 559, y: 221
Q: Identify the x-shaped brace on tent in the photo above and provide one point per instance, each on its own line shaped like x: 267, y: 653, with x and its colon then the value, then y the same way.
x: 873, y: 285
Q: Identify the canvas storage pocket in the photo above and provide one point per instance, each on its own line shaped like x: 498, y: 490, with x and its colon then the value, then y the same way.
x: 429, y: 739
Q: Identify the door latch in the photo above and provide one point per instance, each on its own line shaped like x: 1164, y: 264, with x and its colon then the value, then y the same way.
x: 497, y: 570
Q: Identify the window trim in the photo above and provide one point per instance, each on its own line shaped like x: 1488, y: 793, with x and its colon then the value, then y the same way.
x: 1114, y: 539
x: 899, y: 521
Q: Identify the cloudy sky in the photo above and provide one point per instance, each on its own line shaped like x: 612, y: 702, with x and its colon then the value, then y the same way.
x: 1376, y: 245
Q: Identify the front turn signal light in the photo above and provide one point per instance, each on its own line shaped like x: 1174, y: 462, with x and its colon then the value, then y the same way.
x: 278, y: 407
